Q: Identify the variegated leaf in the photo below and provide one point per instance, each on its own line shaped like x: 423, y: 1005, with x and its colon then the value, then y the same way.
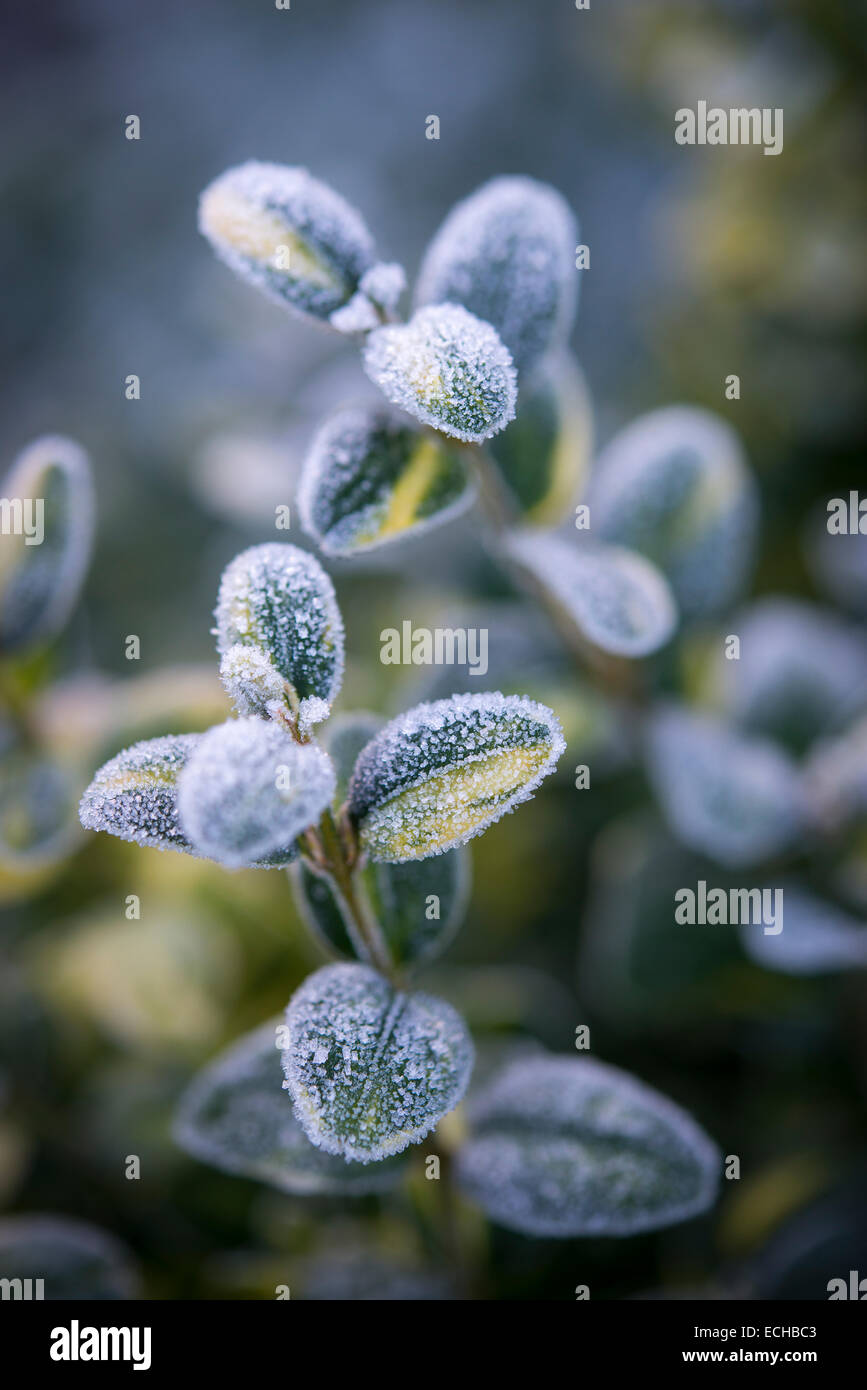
x: 371, y: 1069
x: 443, y: 772
x: 370, y: 478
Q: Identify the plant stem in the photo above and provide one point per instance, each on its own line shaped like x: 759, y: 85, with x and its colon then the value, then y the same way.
x: 335, y: 862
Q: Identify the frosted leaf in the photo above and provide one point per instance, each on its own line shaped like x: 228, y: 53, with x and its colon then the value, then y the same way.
x: 248, y: 790
x: 40, y: 580
x: 507, y: 253
x: 544, y: 453
x: 252, y: 682
x: 817, y: 938
x: 448, y: 369
x: 288, y: 234
x: 279, y: 600
x: 675, y: 486
x: 370, y: 478
x: 371, y: 1069
x: 419, y: 905
x: 76, y: 1260
x: 619, y: 600
x: 237, y: 1116
x: 566, y: 1146
x: 384, y: 283
x: 358, y: 316
x: 802, y: 670
x: 134, y: 795
x: 736, y: 798
x: 443, y: 772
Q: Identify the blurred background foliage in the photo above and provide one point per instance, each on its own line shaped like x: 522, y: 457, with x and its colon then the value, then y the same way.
x: 704, y: 262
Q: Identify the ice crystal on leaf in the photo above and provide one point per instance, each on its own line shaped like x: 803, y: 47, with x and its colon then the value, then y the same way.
x: 252, y: 682
x: 507, y: 253
x: 371, y: 1069
x: 279, y: 600
x: 384, y: 283
x: 447, y: 368
x: 562, y: 1146
x: 134, y: 795
x: 619, y: 600
x: 734, y: 797
x: 443, y: 772
x: 288, y: 234
x: 40, y: 582
x: 248, y: 790
x: 675, y: 486
x: 236, y: 1116
x: 370, y: 478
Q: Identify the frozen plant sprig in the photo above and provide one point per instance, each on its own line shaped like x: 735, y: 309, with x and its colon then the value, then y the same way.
x: 370, y: 1064
x: 377, y: 820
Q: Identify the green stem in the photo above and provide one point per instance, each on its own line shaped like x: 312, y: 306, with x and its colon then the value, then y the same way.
x: 335, y: 862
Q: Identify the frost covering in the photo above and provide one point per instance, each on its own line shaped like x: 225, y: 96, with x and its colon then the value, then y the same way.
x: 134, y: 795
x: 507, y: 253
x: 40, y: 583
x: 235, y: 1116
x: 279, y: 600
x: 369, y: 1068
x: 562, y: 1146
x: 738, y: 799
x: 675, y: 486
x: 448, y: 369
x: 619, y: 600
x: 288, y: 234
x: 444, y: 771
x: 248, y: 790
x: 370, y: 478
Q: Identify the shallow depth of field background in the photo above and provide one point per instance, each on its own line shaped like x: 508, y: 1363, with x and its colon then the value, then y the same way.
x: 703, y: 262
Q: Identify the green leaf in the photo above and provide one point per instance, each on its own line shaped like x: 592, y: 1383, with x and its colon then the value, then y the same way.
x: 237, y: 1116
x: 289, y: 235
x: 419, y: 905
x: 446, y: 368
x: 544, y: 453
x: 43, y: 562
x: 371, y: 1069
x: 619, y: 601
x: 248, y: 790
x: 562, y: 1146
x: 443, y: 772
x: 278, y: 601
x: 675, y: 486
x: 507, y: 253
x: 134, y: 795
x: 76, y: 1260
x: 370, y: 478
x: 737, y: 798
